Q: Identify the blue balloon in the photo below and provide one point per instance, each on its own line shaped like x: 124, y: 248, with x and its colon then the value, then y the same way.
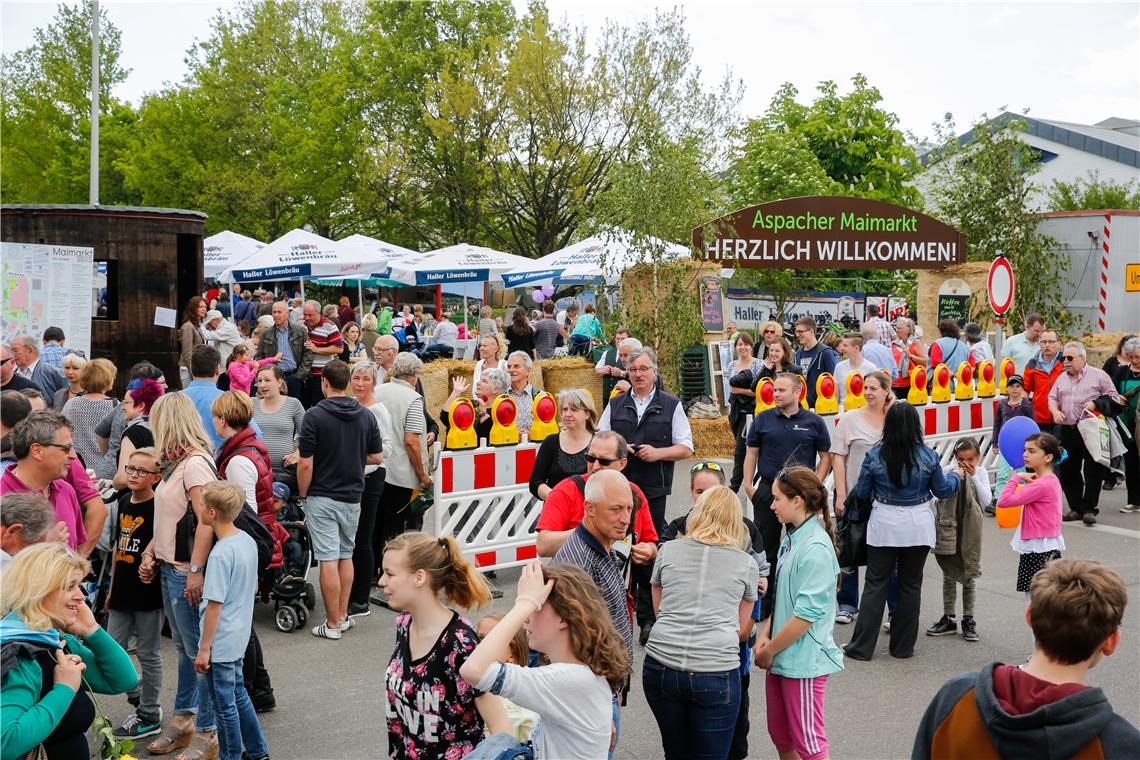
x: 1011, y: 440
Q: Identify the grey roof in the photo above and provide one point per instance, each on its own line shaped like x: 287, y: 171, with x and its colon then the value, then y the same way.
x: 103, y: 209
x: 1108, y: 134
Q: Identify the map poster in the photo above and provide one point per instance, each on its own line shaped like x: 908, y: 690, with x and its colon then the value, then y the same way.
x: 47, y: 285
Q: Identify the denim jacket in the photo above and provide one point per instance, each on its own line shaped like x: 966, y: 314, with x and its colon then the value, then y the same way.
x: 924, y: 479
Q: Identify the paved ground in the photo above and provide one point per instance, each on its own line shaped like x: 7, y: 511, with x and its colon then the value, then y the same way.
x: 330, y: 695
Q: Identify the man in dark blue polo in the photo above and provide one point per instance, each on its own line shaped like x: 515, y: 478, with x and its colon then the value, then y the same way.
x: 785, y: 435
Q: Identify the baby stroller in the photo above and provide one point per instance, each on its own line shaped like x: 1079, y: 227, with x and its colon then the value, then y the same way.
x: 292, y: 594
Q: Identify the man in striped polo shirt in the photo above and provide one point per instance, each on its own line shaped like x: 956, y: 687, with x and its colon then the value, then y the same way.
x: 325, y: 343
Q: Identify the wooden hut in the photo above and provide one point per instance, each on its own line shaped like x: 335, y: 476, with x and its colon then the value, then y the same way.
x: 152, y: 257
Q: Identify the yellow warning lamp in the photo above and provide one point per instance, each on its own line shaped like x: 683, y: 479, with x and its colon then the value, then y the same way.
x: 964, y: 387
x: 504, y: 431
x: 940, y: 393
x: 1005, y: 372
x: 765, y: 395
x: 854, y: 398
x: 545, y: 417
x: 461, y: 434
x: 825, y: 399
x: 917, y: 395
x: 803, y: 393
x: 986, y: 377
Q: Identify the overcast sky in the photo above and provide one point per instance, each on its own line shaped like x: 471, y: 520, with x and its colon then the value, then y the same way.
x: 1075, y: 62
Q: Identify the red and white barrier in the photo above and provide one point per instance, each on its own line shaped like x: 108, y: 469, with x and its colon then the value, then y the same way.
x: 483, y: 499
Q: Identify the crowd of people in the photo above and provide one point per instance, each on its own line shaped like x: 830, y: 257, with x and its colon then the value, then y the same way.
x: 319, y: 411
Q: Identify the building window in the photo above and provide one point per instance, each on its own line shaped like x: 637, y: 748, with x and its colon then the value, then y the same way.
x: 105, y: 290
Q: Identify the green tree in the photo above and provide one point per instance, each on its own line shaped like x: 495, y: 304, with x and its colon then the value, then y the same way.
x: 836, y: 145
x: 1092, y: 192
x: 982, y: 185
x: 45, y: 113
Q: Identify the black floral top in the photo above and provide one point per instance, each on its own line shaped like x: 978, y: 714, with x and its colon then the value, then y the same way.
x: 431, y: 710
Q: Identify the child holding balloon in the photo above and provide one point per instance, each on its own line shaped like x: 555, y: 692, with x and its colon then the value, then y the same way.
x: 1037, y: 491
x: 1015, y: 404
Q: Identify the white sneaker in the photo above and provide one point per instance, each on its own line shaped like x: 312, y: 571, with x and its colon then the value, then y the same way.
x: 347, y: 623
x: 887, y: 625
x: 1130, y: 509
x: 323, y: 631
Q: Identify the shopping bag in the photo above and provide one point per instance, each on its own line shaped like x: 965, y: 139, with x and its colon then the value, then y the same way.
x: 1097, y: 438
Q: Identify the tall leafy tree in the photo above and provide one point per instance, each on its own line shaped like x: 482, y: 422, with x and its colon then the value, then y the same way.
x: 983, y: 185
x: 45, y: 113
x: 1092, y: 192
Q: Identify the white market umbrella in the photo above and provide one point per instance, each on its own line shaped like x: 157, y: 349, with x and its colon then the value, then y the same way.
x: 226, y: 249
x: 459, y: 264
x: 302, y: 255
x: 366, y: 248
x: 601, y: 258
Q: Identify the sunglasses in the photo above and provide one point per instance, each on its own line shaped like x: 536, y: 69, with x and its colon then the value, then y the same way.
x: 603, y: 461
x: 132, y: 470
x: 1068, y: 358
x: 5, y: 361
x: 66, y: 447
x: 705, y: 466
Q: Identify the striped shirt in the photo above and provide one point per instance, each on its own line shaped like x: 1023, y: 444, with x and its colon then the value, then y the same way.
x: 325, y: 334
x: 583, y: 550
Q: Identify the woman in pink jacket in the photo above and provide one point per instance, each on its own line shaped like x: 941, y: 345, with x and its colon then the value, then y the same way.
x: 242, y: 369
x: 1038, y: 537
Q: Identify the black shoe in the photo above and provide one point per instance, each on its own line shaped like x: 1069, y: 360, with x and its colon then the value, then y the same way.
x: 134, y: 701
x: 991, y: 509
x: 969, y: 628
x: 139, y: 725
x: 1088, y: 518
x: 1070, y: 516
x: 645, y: 631
x: 1109, y: 484
x: 263, y: 701
x: 358, y: 610
x: 946, y: 624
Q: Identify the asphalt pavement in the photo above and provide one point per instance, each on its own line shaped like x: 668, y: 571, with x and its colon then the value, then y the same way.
x: 330, y: 694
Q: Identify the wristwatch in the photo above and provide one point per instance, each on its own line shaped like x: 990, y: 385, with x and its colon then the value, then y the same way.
x: 195, y: 568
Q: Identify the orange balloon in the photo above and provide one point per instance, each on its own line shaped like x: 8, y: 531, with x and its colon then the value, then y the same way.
x: 1008, y: 517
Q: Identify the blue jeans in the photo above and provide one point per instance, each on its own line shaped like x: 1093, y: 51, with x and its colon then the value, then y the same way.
x: 696, y: 712
x: 237, y: 721
x: 192, y: 695
x: 848, y: 596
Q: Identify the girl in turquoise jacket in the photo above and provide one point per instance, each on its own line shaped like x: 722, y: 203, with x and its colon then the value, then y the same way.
x: 801, y: 654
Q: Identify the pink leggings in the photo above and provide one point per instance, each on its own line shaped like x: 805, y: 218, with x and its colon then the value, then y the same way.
x: 795, y: 714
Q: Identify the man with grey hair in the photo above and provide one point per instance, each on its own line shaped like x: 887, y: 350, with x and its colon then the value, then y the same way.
x: 324, y: 343
x: 407, y: 468
x: 519, y: 365
x: 654, y: 424
x: 610, y: 367
x: 286, y: 339
x: 42, y: 445
x: 384, y: 351
x: 1079, y: 389
x: 875, y: 351
x: 221, y: 333
x: 26, y: 351
x: 26, y: 519
x: 9, y: 380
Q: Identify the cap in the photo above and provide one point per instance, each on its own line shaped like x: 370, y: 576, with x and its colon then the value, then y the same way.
x: 213, y: 314
x: 1015, y: 380
x: 281, y: 491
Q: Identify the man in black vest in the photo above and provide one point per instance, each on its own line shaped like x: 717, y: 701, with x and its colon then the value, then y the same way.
x: 658, y: 432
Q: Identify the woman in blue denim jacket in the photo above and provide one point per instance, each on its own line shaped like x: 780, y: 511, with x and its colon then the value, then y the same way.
x: 903, y: 477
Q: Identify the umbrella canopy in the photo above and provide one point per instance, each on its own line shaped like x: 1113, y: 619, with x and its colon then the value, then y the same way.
x: 300, y: 254
x: 595, y: 259
x: 457, y: 263
x: 226, y: 249
x: 366, y: 247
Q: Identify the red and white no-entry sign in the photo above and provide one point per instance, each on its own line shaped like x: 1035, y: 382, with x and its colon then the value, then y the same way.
x: 1000, y: 285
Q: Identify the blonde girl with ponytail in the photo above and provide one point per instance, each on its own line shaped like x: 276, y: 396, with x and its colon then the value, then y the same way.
x: 795, y: 645
x: 432, y: 712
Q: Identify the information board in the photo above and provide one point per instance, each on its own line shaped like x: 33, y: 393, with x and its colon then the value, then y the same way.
x: 45, y: 286
x: 712, y: 305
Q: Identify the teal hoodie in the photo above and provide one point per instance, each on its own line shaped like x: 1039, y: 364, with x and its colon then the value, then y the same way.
x: 806, y: 570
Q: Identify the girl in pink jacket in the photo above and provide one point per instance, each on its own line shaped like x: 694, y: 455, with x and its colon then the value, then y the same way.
x: 1037, y: 491
x: 242, y: 369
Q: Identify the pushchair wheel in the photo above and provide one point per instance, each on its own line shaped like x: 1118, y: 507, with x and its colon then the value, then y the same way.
x: 310, y: 596
x: 302, y: 616
x: 286, y: 619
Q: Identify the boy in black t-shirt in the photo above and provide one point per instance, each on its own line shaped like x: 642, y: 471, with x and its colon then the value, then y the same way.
x: 136, y: 607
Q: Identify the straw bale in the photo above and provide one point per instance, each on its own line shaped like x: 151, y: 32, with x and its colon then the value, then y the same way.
x: 712, y: 438
x: 564, y: 372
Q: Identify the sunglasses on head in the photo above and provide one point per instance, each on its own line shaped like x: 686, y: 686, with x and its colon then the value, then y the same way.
x: 705, y: 466
x: 603, y: 461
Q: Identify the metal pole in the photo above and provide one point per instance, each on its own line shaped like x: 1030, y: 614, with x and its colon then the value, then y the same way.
x: 94, y: 189
x: 302, y: 291
x: 360, y: 294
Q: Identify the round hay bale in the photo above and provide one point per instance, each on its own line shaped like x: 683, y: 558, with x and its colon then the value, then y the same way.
x: 712, y: 438
x: 437, y: 380
x: 565, y: 372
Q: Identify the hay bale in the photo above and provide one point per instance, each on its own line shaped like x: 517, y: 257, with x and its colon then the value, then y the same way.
x: 565, y: 372
x: 437, y: 380
x: 712, y: 438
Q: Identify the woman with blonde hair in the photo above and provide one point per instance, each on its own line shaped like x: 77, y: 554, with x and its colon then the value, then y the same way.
x: 704, y: 588
x: 567, y: 621
x: 490, y: 356
x: 71, y: 364
x: 177, y: 554
x: 88, y: 409
x: 563, y: 455
x: 487, y: 324
x: 432, y: 644
x: 48, y: 632
x: 368, y: 332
